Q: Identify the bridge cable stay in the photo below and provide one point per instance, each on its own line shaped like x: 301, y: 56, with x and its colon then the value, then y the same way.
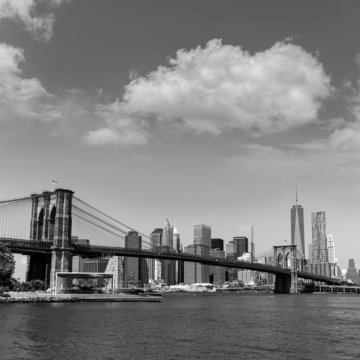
x: 15, y: 217
x: 109, y: 217
x: 99, y: 223
x: 265, y: 253
x: 96, y: 219
x: 14, y: 200
x: 98, y: 227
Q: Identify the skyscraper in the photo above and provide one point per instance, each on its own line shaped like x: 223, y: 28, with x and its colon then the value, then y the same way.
x: 194, y: 272
x: 156, y: 239
x: 248, y: 231
x: 132, y: 273
x: 168, y: 236
x: 241, y: 245
x: 352, y: 273
x: 319, y: 245
x: 202, y: 235
x: 176, y: 239
x: 217, y: 243
x: 163, y: 240
x: 155, y: 245
x: 297, y: 227
x: 331, y: 249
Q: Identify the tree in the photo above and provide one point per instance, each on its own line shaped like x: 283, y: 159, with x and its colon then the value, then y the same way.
x: 7, y: 265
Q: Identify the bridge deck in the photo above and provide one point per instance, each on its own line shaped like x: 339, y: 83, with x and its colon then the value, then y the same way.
x: 30, y: 246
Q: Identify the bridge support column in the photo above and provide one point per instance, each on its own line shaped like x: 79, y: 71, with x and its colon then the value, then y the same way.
x: 294, y: 278
x: 282, y: 284
x: 61, y: 260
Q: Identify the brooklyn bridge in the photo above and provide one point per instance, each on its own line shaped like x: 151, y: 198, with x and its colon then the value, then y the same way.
x: 52, y: 227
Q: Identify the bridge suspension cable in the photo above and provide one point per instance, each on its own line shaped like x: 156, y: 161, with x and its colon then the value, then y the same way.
x: 14, y: 200
x: 15, y: 216
x: 98, y: 227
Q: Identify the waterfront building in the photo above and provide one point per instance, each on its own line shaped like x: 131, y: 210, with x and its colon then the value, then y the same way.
x: 322, y: 268
x: 297, y: 227
x: 115, y: 266
x: 194, y: 272
x: 268, y: 278
x: 248, y: 277
x: 95, y: 265
x: 319, y: 244
x: 132, y: 265
x: 217, y: 243
x: 162, y: 239
x: 217, y: 273
x: 157, y: 270
x: 179, y: 265
x: 231, y: 251
x: 168, y: 267
x: 352, y: 273
x: 155, y: 245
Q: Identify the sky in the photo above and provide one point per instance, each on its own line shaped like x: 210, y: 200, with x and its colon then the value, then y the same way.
x: 194, y: 111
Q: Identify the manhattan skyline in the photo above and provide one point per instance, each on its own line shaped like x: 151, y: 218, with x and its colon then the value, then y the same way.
x: 200, y: 112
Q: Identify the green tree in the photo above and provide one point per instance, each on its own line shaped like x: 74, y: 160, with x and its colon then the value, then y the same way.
x: 7, y: 265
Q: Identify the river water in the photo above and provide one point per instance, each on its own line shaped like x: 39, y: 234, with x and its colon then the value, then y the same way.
x: 186, y: 326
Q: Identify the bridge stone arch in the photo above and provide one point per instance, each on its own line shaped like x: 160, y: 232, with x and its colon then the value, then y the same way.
x: 288, y: 255
x: 52, y: 223
x: 288, y: 260
x: 40, y: 225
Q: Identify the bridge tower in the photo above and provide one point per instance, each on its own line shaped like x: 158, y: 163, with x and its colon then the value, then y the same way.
x: 286, y: 257
x: 51, y: 221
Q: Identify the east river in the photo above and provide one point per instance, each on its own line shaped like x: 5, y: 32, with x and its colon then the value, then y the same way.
x: 186, y: 326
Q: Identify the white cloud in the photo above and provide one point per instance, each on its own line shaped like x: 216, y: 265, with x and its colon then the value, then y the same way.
x: 40, y: 25
x: 122, y: 129
x: 209, y: 89
x: 68, y: 113
x: 346, y: 137
x: 222, y: 86
x: 19, y: 97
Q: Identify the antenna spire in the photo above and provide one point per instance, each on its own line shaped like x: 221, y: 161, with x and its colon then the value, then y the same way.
x: 296, y: 194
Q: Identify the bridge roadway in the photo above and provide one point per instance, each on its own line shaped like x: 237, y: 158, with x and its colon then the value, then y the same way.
x: 28, y: 247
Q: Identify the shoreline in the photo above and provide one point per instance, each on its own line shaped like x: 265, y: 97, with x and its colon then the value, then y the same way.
x: 33, y: 297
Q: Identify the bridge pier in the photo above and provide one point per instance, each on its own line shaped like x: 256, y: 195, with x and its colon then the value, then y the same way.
x: 282, y: 284
x: 61, y: 261
x: 51, y: 220
x: 38, y: 268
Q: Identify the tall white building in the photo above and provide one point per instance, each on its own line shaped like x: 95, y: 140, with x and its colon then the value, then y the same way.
x: 331, y: 249
x: 297, y: 227
x: 248, y: 231
x: 168, y: 236
x: 176, y: 239
x: 319, y: 247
